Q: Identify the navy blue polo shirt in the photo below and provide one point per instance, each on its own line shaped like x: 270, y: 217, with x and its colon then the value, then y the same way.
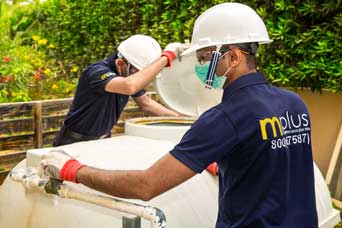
x: 94, y: 111
x: 261, y: 139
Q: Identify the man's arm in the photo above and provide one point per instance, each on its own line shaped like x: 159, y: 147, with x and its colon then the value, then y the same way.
x: 152, y: 107
x: 165, y: 174
x: 137, y: 81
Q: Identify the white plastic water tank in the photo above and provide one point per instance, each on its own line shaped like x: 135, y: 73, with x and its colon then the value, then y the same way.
x: 192, y: 204
x: 160, y: 128
x: 327, y: 215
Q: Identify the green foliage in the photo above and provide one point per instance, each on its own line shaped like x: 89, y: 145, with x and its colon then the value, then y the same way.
x: 28, y: 70
x: 26, y: 74
x: 307, y: 40
x: 306, y: 51
x: 15, y: 69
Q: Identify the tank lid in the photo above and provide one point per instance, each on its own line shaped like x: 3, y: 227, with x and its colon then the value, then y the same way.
x: 181, y: 90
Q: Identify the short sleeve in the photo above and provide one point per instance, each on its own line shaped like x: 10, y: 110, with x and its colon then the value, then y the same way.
x: 138, y: 94
x: 209, y: 139
x: 99, y: 80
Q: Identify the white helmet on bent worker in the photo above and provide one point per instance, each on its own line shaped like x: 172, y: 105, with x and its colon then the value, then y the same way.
x: 140, y: 50
x: 227, y: 23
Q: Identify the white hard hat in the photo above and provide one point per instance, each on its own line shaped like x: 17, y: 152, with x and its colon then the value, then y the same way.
x: 227, y: 23
x: 140, y: 50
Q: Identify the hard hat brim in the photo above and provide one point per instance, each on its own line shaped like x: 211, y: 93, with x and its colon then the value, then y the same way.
x: 196, y: 47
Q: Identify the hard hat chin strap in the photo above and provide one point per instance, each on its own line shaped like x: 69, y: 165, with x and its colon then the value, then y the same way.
x: 128, y: 68
x: 212, y: 67
x: 128, y: 65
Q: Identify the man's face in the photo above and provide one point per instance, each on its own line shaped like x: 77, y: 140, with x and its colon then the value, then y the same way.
x: 130, y: 68
x: 133, y: 69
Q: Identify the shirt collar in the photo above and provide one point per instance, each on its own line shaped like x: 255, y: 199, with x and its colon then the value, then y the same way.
x: 111, y: 61
x: 244, y: 81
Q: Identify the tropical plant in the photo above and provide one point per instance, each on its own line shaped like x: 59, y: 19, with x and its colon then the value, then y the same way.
x: 28, y: 70
x: 305, y: 52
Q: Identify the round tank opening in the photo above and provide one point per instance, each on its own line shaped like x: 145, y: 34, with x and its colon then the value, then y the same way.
x: 166, y: 122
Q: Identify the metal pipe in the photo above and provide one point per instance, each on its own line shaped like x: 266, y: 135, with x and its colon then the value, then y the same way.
x: 30, y: 178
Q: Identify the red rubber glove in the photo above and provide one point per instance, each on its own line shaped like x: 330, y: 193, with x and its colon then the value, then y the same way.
x: 170, y: 57
x: 69, y: 170
x: 213, y: 169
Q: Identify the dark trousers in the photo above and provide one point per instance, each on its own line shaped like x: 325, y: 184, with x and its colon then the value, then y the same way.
x: 66, y: 136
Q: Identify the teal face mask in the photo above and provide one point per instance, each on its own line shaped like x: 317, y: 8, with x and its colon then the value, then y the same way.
x: 202, y: 71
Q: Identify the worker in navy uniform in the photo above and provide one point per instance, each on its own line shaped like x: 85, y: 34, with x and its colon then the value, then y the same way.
x: 259, y: 135
x: 104, y: 87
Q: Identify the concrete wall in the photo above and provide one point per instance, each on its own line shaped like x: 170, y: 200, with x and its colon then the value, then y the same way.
x: 326, y: 118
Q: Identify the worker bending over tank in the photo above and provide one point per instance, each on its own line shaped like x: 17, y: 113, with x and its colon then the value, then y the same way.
x: 104, y: 87
x: 259, y: 135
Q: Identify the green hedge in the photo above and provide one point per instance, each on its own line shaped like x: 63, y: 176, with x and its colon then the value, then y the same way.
x: 28, y: 67
x: 307, y: 35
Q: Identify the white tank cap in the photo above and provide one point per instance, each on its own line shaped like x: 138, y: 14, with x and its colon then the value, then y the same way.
x: 181, y: 90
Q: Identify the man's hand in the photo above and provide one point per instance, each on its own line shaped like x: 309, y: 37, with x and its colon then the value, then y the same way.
x: 60, y: 165
x: 174, y: 47
x: 172, y: 51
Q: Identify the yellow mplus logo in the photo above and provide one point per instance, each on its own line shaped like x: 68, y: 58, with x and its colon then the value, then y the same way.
x: 273, y: 122
x: 103, y: 77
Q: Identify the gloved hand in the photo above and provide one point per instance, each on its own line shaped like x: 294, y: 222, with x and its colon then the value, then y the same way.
x: 213, y: 169
x: 171, y: 52
x: 60, y: 165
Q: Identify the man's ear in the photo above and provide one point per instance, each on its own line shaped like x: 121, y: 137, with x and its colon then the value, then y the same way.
x: 120, y: 62
x: 235, y: 57
x: 120, y: 66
